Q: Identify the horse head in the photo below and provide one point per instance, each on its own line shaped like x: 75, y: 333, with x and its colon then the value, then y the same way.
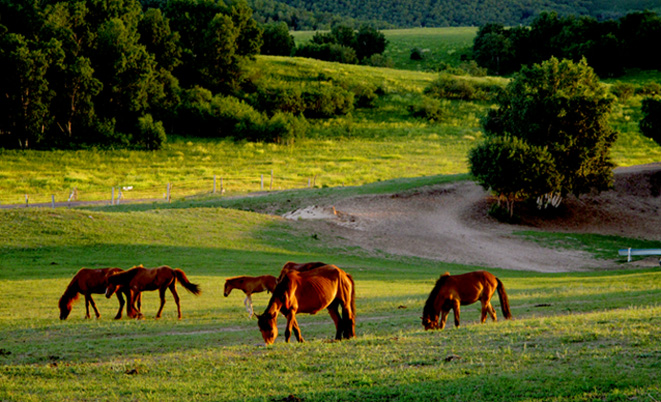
x: 228, y: 287
x: 65, y: 308
x: 267, y: 326
x: 430, y: 322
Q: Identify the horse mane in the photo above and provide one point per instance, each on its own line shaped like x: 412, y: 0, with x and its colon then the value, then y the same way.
x: 70, y: 294
x: 125, y: 277
x: 429, y: 304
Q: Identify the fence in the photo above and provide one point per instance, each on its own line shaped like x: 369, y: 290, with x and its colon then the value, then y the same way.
x: 216, y: 185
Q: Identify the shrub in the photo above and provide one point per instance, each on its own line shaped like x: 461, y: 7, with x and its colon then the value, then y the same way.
x: 151, y: 134
x: 650, y: 125
x: 328, y: 52
x: 416, y: 54
x: 623, y: 90
x: 451, y: 87
x: 429, y: 108
x: 325, y: 100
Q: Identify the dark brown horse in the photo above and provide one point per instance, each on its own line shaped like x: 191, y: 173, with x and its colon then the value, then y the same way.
x: 250, y: 285
x: 299, y: 267
x: 139, y: 279
x: 309, y: 292
x: 86, y: 282
x: 450, y: 292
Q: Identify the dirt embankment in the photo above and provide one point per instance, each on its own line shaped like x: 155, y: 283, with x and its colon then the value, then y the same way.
x: 450, y: 223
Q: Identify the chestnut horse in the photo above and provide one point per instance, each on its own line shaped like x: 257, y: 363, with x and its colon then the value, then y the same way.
x: 302, y: 267
x: 86, y: 282
x: 140, y: 279
x: 309, y: 292
x: 250, y: 285
x: 450, y: 292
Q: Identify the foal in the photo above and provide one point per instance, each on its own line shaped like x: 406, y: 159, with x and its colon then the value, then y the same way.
x: 250, y: 285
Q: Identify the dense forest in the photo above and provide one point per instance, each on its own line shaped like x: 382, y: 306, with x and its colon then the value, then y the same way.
x: 118, y: 73
x: 321, y: 14
x: 610, y: 47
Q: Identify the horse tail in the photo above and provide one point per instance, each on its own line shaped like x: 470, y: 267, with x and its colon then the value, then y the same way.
x: 191, y: 287
x: 504, y: 301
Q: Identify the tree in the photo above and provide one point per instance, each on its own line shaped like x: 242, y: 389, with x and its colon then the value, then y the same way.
x: 277, y: 40
x: 560, y: 106
x: 650, y: 124
x: 496, y: 161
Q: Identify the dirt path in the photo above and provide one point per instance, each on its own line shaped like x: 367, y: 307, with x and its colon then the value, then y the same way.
x: 449, y: 223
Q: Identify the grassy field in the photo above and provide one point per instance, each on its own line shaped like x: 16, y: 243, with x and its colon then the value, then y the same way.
x: 367, y: 146
x: 575, y: 336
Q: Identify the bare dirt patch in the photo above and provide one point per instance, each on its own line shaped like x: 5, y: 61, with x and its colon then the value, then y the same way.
x: 450, y: 223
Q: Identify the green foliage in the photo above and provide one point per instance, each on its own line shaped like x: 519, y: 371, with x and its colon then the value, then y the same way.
x: 431, y: 109
x: 277, y: 41
x: 152, y: 134
x: 514, y: 170
x: 609, y: 46
x: 83, y: 73
x: 447, y: 86
x: 345, y: 45
x: 650, y: 125
x: 560, y: 106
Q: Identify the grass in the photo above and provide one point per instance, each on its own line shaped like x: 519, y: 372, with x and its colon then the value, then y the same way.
x: 575, y: 336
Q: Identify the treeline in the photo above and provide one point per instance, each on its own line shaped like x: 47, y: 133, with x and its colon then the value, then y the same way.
x: 322, y: 14
x: 120, y: 73
x: 610, y: 46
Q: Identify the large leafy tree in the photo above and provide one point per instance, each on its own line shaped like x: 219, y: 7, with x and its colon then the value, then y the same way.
x: 559, y: 106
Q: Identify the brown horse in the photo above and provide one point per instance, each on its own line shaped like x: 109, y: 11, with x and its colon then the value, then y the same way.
x: 86, y: 282
x: 250, y: 285
x: 309, y: 292
x: 140, y: 279
x: 299, y: 267
x: 452, y: 291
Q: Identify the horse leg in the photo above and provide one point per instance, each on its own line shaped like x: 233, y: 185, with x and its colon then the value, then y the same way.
x: 120, y: 297
x: 173, y: 289
x: 444, y: 317
x: 492, y: 312
x: 248, y: 303
x: 292, y: 324
x: 485, y: 309
x: 456, y: 313
x: 339, y: 325
x: 88, y: 301
x: 161, y: 294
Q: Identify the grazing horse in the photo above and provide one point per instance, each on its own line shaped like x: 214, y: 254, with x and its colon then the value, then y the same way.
x: 250, y: 285
x: 309, y: 292
x: 86, y: 282
x: 302, y: 267
x: 450, y: 292
x: 140, y: 279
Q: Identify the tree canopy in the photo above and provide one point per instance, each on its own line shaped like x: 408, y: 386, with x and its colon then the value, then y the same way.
x: 556, y: 114
x: 110, y: 73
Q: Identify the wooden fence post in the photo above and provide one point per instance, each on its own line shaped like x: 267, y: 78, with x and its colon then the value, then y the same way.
x: 112, y: 196
x: 214, y: 184
x: 52, y: 199
x: 27, y: 200
x: 261, y: 186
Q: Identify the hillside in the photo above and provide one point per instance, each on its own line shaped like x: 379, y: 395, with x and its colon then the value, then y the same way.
x: 319, y: 14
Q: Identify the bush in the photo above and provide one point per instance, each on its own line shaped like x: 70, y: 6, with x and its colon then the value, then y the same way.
x: 650, y: 124
x: 328, y: 52
x: 326, y: 100
x: 450, y: 87
x: 416, y: 54
x: 277, y: 40
x: 623, y: 90
x: 429, y: 108
x: 151, y: 134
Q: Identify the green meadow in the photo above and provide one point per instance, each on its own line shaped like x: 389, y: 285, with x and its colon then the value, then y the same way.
x: 580, y: 336
x: 574, y: 337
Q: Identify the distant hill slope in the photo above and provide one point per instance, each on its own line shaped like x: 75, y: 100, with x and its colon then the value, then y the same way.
x: 319, y: 14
